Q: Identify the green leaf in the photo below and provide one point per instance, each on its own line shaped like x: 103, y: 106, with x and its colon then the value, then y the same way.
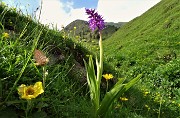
x: 118, y: 89
x: 132, y: 82
x: 91, y: 79
x: 109, y: 98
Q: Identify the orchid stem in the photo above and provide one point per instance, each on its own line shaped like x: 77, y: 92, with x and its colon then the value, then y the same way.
x: 99, y: 74
x: 107, y: 86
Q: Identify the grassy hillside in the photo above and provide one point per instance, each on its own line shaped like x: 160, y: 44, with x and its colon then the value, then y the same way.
x: 150, y: 34
x: 150, y: 44
x: 20, y: 35
x: 152, y: 38
x: 118, y: 25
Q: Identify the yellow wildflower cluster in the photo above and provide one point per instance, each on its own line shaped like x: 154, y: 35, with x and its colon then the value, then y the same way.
x: 5, y: 35
x: 123, y: 99
x: 65, y: 37
x: 178, y: 105
x: 77, y: 37
x: 146, y: 93
x: 108, y: 76
x: 29, y: 92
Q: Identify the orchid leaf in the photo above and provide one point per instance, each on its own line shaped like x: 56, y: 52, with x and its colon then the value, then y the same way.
x: 91, y: 79
x: 118, y: 89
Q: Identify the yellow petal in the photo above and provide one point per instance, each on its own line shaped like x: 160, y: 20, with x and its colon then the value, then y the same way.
x: 124, y: 98
x: 21, y: 89
x: 108, y: 76
x: 32, y: 91
x: 38, y: 88
x: 27, y: 97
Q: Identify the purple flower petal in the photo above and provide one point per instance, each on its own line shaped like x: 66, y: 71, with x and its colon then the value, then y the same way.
x: 96, y: 20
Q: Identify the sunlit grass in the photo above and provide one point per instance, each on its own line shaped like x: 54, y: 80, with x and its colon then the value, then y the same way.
x: 20, y: 36
x: 147, y: 45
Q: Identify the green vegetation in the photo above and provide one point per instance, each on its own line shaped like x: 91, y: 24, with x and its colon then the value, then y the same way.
x: 63, y: 96
x: 148, y: 45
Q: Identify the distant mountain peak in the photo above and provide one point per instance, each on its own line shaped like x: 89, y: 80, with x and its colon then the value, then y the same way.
x: 82, y: 29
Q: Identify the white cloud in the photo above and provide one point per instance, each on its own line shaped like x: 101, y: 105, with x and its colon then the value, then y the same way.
x: 123, y: 10
x: 58, y: 13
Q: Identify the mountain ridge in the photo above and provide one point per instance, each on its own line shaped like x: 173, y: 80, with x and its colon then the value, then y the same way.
x: 82, y: 29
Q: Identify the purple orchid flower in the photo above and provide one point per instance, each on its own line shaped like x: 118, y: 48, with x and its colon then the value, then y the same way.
x: 96, y: 20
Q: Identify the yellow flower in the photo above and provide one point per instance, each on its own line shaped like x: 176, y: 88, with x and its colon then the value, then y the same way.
x: 108, y: 76
x: 5, y: 35
x: 123, y: 98
x: 77, y: 37
x: 158, y: 94
x: 146, y: 93
x: 74, y: 28
x: 178, y: 105
x: 29, y: 92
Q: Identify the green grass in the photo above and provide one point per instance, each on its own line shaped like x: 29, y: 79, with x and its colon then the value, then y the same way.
x: 63, y: 96
x: 149, y: 44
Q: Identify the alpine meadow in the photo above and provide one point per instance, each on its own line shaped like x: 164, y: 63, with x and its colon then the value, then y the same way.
x: 93, y: 69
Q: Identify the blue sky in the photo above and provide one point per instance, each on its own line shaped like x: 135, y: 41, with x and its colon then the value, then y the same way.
x: 83, y: 3
x: 31, y: 5
x: 63, y: 12
x: 24, y: 5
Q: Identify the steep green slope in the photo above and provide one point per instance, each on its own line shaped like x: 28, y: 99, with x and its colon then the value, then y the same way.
x: 151, y: 38
x: 149, y: 44
x: 20, y: 35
